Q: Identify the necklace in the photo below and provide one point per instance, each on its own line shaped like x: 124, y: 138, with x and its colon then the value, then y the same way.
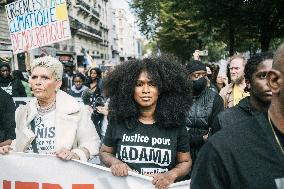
x: 275, y: 136
x: 45, y: 110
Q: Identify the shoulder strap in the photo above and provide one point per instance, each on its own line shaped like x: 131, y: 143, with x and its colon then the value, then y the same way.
x: 34, y: 146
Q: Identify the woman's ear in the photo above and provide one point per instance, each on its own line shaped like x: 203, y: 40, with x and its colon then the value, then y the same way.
x: 273, y: 78
x: 248, y: 86
x: 58, y: 84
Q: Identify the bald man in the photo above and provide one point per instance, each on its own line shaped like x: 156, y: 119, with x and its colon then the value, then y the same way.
x: 248, y: 154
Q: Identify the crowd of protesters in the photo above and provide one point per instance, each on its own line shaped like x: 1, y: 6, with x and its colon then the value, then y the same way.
x: 183, y: 121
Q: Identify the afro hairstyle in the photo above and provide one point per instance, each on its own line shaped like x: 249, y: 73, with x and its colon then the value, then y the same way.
x: 171, y: 79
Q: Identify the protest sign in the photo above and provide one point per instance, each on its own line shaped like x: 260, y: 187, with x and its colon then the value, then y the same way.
x: 223, y: 68
x: 36, y: 23
x: 33, y: 171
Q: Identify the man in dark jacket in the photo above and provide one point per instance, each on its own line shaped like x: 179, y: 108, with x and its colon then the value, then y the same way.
x: 249, y: 154
x: 12, y: 86
x: 260, y: 94
x: 206, y: 105
x: 7, y: 119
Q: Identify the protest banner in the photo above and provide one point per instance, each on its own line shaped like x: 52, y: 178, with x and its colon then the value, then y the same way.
x: 33, y: 171
x: 36, y: 23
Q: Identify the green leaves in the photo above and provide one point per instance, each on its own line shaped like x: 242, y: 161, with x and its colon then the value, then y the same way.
x: 181, y: 26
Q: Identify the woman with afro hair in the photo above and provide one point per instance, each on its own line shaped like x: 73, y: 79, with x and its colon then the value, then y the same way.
x: 149, y: 99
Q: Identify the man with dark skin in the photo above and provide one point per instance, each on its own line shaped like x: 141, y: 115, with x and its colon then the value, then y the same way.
x: 205, y: 108
x: 7, y: 119
x: 252, y: 155
x: 260, y: 94
x: 12, y: 86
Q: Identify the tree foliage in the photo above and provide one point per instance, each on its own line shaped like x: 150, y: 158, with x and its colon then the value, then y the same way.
x: 180, y: 27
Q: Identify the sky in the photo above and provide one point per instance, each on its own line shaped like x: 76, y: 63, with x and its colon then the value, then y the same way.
x: 123, y: 4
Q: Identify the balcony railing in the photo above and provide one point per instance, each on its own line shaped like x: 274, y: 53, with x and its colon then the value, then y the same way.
x: 79, y: 26
x: 87, y: 8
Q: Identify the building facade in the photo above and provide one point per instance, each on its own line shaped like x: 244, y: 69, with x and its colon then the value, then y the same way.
x: 130, y: 43
x: 6, y: 54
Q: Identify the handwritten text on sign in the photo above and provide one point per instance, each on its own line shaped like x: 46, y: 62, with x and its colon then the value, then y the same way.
x: 36, y: 23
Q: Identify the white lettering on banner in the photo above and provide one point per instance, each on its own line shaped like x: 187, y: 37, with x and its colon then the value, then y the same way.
x: 31, y: 171
x: 152, y: 170
x: 141, y: 154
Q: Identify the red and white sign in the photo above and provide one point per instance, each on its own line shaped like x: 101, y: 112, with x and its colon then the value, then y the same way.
x: 33, y: 171
x: 34, y: 24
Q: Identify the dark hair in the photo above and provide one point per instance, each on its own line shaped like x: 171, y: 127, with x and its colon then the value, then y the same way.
x: 174, y: 91
x: 195, y: 65
x: 80, y: 75
x: 5, y: 65
x: 18, y: 75
x: 253, y: 63
x: 98, y: 71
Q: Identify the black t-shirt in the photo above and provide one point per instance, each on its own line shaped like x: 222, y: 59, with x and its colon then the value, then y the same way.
x: 245, y: 155
x: 147, y: 148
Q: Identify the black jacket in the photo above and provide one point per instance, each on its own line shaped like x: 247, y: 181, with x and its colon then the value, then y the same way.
x: 204, y: 109
x: 230, y: 116
x: 7, y: 117
x: 12, y: 86
x: 245, y: 155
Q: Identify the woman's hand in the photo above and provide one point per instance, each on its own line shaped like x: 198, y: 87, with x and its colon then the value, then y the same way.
x: 5, y: 149
x: 117, y: 167
x: 120, y: 169
x: 66, y: 154
x: 90, y: 109
x: 163, y: 180
x: 102, y: 110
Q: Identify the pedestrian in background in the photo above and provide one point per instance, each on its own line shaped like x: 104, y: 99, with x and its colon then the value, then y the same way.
x: 12, y: 86
x: 7, y: 119
x: 17, y: 74
x: 234, y: 92
x: 78, y: 88
x: 205, y: 108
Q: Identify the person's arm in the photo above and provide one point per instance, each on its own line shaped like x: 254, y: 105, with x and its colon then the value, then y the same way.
x: 216, y: 126
x: 217, y: 108
x: 5, y: 149
x: 87, y: 138
x: 182, y: 166
x: 222, y: 93
x: 8, y: 118
x: 108, y: 151
x: 164, y: 180
x: 209, y: 170
x: 21, y: 89
x: 118, y: 168
x: 6, y: 142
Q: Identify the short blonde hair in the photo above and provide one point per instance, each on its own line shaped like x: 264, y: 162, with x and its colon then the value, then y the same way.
x: 238, y: 56
x: 50, y: 63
